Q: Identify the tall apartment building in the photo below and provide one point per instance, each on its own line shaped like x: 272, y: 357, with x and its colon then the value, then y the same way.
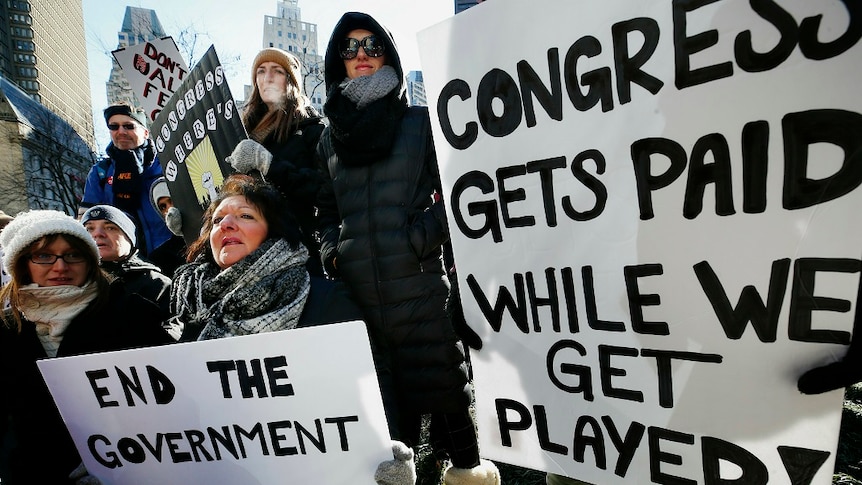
x: 416, y: 89
x: 46, y: 120
x: 140, y: 25
x: 288, y: 32
x: 461, y: 5
x: 43, y: 51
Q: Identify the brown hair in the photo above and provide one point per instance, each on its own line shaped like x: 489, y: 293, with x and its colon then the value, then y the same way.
x: 277, y: 125
x: 264, y: 197
x: 21, y: 276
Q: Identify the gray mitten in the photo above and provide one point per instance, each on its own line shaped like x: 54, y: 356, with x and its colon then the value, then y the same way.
x: 250, y: 155
x: 174, y: 221
x: 401, y: 470
x: 83, y: 477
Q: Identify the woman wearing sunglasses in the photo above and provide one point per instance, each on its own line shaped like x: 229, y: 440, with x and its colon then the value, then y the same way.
x: 283, y: 131
x: 382, y: 229
x: 61, y: 304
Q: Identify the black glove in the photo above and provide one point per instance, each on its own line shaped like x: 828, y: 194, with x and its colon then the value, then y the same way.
x: 456, y: 314
x: 836, y: 375
x: 843, y: 373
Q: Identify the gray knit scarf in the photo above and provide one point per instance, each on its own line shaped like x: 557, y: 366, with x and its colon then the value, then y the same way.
x: 365, y: 89
x: 263, y: 292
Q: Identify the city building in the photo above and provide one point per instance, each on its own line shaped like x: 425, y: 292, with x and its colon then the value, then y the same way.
x: 288, y: 32
x: 416, y: 89
x: 140, y: 25
x: 461, y: 5
x: 43, y: 159
x: 43, y: 51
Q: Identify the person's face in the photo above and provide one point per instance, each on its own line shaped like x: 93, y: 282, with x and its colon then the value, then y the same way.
x: 60, y: 273
x: 111, y: 240
x: 238, y: 229
x: 164, y: 203
x: 271, y: 80
x: 129, y: 134
x: 362, y: 64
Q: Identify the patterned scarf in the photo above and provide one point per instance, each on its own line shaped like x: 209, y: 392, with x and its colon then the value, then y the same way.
x: 52, y: 308
x: 263, y: 292
x: 364, y: 115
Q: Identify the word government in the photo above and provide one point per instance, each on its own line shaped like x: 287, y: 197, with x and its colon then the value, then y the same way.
x: 215, y: 444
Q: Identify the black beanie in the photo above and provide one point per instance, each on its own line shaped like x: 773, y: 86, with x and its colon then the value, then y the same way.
x: 124, y: 109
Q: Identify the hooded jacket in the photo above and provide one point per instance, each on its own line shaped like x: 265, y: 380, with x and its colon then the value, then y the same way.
x: 383, y: 232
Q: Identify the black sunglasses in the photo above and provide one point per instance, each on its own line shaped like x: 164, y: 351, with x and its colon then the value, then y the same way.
x: 45, y: 258
x: 349, y: 47
x: 126, y: 126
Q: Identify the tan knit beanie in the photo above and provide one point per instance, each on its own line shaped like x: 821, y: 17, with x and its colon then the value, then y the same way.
x: 286, y: 60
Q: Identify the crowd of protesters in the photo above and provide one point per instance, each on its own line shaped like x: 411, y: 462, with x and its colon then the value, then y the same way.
x: 323, y: 222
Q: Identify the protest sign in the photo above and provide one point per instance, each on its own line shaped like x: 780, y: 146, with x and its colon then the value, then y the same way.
x: 193, y: 135
x: 652, y: 211
x: 301, y: 406
x: 154, y: 69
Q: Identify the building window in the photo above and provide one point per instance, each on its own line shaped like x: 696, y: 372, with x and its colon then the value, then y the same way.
x: 22, y: 32
x: 27, y: 72
x: 25, y: 45
x: 21, y: 19
x: 18, y: 5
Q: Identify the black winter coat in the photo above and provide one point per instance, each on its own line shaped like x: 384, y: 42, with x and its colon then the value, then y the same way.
x: 143, y: 278
x: 36, y: 447
x: 296, y: 174
x: 378, y: 220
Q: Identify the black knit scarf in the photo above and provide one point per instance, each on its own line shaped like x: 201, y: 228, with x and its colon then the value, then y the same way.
x: 128, y: 167
x: 361, y: 136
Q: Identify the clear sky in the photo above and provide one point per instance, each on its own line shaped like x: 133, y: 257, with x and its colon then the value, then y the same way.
x: 235, y: 28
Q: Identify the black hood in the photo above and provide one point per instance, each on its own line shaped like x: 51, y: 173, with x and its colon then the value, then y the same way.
x: 334, y: 71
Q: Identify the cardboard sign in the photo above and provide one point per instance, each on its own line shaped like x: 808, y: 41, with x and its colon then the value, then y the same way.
x: 193, y: 135
x: 155, y: 70
x: 652, y: 207
x: 299, y: 405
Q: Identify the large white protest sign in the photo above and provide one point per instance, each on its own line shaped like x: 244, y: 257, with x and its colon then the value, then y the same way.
x: 652, y: 207
x: 297, y: 406
x: 155, y: 69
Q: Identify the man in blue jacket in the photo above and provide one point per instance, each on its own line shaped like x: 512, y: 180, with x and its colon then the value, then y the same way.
x: 123, y: 179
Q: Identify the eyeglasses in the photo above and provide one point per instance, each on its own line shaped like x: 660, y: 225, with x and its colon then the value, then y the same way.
x: 126, y: 126
x: 45, y: 258
x: 349, y: 47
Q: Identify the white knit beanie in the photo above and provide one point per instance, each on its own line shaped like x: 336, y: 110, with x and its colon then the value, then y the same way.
x: 28, y: 227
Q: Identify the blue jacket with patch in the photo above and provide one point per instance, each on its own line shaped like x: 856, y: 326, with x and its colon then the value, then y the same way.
x: 152, y: 231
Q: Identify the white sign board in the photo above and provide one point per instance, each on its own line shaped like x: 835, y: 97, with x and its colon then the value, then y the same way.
x: 653, y: 211
x: 155, y: 70
x: 303, y: 404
